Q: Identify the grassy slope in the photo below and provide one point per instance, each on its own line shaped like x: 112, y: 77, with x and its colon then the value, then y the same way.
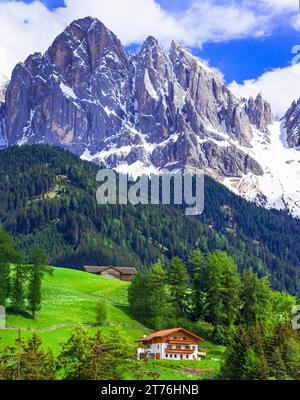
x: 69, y: 297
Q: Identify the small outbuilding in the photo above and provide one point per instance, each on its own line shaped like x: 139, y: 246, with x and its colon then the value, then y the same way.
x: 121, y: 273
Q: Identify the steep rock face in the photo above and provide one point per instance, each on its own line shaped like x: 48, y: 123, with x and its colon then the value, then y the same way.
x: 208, y: 96
x: 164, y: 110
x: 259, y: 113
x: 291, y: 122
x: 3, y: 138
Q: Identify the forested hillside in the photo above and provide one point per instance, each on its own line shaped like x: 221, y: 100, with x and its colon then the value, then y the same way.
x: 47, y: 198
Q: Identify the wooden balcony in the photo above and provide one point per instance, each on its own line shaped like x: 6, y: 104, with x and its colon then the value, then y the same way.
x: 178, y: 341
x: 179, y: 351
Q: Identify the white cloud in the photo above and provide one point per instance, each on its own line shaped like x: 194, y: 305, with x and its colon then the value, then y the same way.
x: 208, y: 21
x: 280, y: 87
x: 26, y: 28
x: 281, y: 5
x: 296, y: 23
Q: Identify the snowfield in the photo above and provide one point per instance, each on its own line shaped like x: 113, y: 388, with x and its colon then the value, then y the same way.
x: 279, y: 187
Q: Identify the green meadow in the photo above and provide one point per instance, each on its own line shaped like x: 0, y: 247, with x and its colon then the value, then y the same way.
x: 70, y: 298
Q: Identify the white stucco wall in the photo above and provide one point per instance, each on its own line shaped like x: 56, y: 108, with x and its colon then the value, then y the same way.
x: 161, y: 349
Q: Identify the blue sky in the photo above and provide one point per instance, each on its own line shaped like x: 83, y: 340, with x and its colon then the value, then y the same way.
x: 248, y: 41
x: 238, y: 59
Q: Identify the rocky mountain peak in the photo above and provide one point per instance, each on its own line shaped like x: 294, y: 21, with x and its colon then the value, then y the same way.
x: 158, y: 109
x: 259, y: 112
x: 291, y: 123
x: 82, y: 47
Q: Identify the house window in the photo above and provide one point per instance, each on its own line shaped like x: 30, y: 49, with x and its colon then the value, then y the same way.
x: 174, y: 337
x: 184, y: 338
x: 167, y: 355
x: 186, y: 356
x: 175, y: 355
x: 178, y: 347
x: 194, y: 347
x: 171, y: 355
x: 169, y: 346
x: 187, y: 347
x: 158, y: 346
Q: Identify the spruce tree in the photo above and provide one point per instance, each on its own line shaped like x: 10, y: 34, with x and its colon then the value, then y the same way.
x: 292, y: 357
x: 248, y: 298
x: 159, y: 299
x: 35, y: 364
x: 197, y: 264
x: 222, y: 285
x: 37, y: 269
x: 178, y: 279
x: 96, y: 358
x: 277, y: 369
x: 119, y: 357
x: 8, y: 255
x: 258, y: 345
x: 73, y: 360
x: 138, y: 296
x: 235, y: 356
x: 256, y: 299
x: 18, y: 281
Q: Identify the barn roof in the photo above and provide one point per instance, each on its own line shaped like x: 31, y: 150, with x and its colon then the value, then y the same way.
x: 122, y: 270
x: 167, y: 332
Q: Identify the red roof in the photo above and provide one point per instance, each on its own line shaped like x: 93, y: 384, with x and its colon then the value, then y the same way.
x: 167, y: 332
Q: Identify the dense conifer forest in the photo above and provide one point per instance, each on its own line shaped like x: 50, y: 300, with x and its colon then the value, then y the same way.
x: 47, y: 199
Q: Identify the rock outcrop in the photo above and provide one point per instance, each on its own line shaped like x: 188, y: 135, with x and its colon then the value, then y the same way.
x: 291, y: 123
x: 87, y: 94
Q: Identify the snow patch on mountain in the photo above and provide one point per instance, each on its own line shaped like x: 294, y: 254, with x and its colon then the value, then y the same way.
x: 279, y: 186
x: 67, y: 91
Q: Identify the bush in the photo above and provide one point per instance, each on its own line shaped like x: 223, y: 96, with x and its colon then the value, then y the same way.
x: 101, y: 312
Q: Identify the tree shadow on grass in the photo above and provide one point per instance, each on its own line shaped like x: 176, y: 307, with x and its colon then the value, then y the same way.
x: 126, y: 310
x: 24, y: 314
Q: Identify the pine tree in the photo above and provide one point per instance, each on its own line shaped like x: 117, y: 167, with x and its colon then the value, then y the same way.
x: 18, y: 286
x: 75, y: 355
x: 178, y: 279
x: 159, y: 299
x: 235, y: 357
x: 256, y: 299
x: 118, y: 361
x: 35, y: 364
x: 258, y: 345
x: 8, y: 255
x: 197, y: 264
x: 231, y: 288
x: 37, y: 269
x: 277, y: 369
x: 248, y: 298
x: 222, y: 285
x: 96, y: 358
x: 138, y: 295
x: 4, y: 283
x: 292, y: 357
x: 252, y: 365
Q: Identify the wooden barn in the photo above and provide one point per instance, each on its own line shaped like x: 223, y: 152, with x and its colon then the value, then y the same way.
x: 121, y: 273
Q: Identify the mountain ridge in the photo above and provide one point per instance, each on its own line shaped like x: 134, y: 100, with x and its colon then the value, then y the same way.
x: 144, y: 112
